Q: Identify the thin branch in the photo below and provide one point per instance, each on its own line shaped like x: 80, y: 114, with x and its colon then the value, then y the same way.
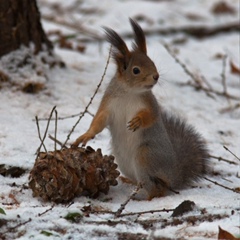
x: 146, y: 212
x: 231, y: 108
x: 231, y: 153
x: 130, y: 213
x: 209, y: 91
x: 206, y: 82
x: 220, y: 185
x: 15, y: 227
x: 77, y: 27
x: 39, y: 135
x: 223, y: 75
x: 67, y: 117
x: 55, y: 132
x: 197, y: 80
x: 123, y: 205
x: 223, y: 159
x: 90, y: 102
x: 195, y: 31
x: 184, y: 67
x: 50, y: 209
x: 46, y: 130
x: 57, y: 141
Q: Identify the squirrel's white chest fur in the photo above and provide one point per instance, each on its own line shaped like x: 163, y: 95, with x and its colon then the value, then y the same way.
x: 125, y: 142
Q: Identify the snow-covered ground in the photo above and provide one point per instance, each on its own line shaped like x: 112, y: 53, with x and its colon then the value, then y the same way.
x: 216, y: 117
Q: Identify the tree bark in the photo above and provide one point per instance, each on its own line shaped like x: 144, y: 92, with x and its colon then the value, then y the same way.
x: 20, y: 25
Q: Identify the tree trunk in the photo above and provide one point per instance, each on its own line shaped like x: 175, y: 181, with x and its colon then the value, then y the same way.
x: 20, y: 25
x: 26, y: 54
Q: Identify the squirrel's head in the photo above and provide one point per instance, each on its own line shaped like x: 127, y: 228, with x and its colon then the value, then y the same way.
x: 134, y: 68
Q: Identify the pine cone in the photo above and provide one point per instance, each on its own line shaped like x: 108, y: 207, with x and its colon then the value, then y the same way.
x: 61, y: 175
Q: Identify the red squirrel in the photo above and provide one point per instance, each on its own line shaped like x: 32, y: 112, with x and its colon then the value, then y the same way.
x: 151, y: 146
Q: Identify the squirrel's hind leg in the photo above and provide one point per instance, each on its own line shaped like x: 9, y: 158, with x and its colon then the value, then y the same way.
x: 153, y: 185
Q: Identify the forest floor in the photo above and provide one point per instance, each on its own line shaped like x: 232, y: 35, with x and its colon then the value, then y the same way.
x: 195, y: 46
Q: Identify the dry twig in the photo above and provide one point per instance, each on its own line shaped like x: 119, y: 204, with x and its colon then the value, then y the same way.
x: 45, y: 133
x: 76, y: 26
x: 14, y: 227
x: 197, y: 79
x: 231, y: 153
x: 208, y: 91
x: 223, y: 159
x: 223, y: 75
x: 146, y: 212
x: 49, y: 209
x: 39, y: 135
x: 55, y: 132
x: 195, y: 31
x: 230, y: 109
x: 123, y: 205
x: 197, y: 84
x: 56, y: 141
x: 90, y: 102
x: 66, y: 117
x: 220, y: 185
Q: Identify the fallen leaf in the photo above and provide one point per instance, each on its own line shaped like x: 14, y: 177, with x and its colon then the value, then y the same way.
x: 46, y: 233
x: 2, y: 211
x: 194, y: 16
x: 74, y: 217
x: 224, y: 235
x: 15, y: 201
x: 11, y: 171
x: 234, y: 69
x: 184, y: 207
x: 222, y: 8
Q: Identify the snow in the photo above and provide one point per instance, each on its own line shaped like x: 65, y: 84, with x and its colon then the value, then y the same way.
x: 71, y: 88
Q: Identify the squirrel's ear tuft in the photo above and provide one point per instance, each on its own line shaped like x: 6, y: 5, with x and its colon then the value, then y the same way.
x: 140, y: 41
x: 120, y: 52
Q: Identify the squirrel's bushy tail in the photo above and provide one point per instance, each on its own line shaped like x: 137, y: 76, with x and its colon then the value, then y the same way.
x: 190, y: 148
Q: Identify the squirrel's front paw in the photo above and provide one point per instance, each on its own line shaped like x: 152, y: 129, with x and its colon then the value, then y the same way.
x: 82, y: 139
x: 134, y: 124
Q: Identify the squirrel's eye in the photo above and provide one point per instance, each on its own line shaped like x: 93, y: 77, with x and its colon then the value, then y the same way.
x: 136, y: 70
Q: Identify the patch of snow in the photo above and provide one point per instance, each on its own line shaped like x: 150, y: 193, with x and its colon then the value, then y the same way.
x: 70, y: 89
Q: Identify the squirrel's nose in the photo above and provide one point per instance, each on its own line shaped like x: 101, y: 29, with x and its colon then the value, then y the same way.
x: 156, y: 76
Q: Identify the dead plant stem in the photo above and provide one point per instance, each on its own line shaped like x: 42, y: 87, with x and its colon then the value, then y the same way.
x: 220, y: 185
x: 55, y: 132
x: 39, y: 135
x: 123, y: 205
x: 197, y: 81
x: 223, y: 159
x: 231, y: 153
x: 90, y: 102
x: 45, y: 133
